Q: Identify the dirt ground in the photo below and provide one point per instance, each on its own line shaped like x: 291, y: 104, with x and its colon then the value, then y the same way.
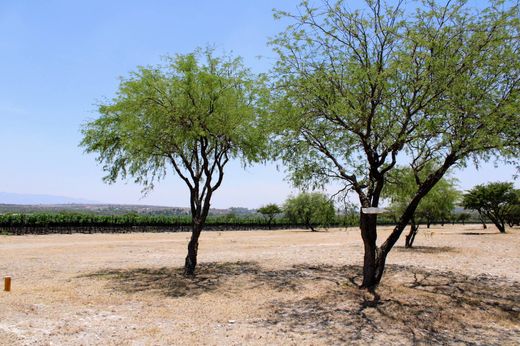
x: 460, y: 285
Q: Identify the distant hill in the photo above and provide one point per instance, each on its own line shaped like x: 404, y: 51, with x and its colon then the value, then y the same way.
x: 101, y: 209
x: 108, y: 209
x: 18, y: 198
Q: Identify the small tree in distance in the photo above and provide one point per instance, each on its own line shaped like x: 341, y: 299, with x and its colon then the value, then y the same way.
x: 463, y: 217
x: 513, y: 214
x: 436, y: 205
x: 270, y: 211
x: 494, y: 201
x: 193, y: 116
x: 312, y: 209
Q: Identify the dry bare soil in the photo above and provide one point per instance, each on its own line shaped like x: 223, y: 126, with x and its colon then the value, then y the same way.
x: 460, y: 285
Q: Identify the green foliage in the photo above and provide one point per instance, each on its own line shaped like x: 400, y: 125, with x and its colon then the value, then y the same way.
x: 192, y: 114
x: 349, y: 215
x: 437, y: 204
x: 269, y: 211
x: 494, y: 200
x: 512, y: 216
x: 311, y: 209
x: 78, y: 219
x: 463, y: 217
x: 70, y: 221
x: 355, y: 88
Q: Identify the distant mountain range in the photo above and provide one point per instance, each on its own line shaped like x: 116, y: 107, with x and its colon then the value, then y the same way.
x: 19, y: 198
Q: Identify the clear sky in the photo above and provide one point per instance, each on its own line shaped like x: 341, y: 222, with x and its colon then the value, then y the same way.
x: 57, y: 58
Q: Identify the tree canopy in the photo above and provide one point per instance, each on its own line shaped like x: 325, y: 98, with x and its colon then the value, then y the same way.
x: 361, y: 90
x: 270, y: 211
x: 191, y: 115
x: 313, y: 209
x: 496, y: 201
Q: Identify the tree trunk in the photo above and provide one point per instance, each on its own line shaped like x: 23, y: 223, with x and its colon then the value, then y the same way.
x: 193, y: 246
x: 482, y: 220
x: 499, y: 223
x: 410, y: 237
x: 374, y: 259
x: 310, y: 226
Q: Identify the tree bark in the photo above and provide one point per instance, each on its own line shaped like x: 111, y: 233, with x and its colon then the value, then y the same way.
x: 372, y: 266
x: 375, y: 257
x: 191, y: 259
x: 410, y: 237
x: 482, y: 220
x: 499, y: 223
x: 310, y: 226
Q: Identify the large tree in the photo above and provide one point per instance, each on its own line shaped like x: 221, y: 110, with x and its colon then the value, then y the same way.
x: 360, y: 91
x: 494, y: 201
x: 192, y: 115
x: 437, y: 204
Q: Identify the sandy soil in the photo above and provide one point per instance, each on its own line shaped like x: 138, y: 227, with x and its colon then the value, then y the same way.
x: 460, y: 285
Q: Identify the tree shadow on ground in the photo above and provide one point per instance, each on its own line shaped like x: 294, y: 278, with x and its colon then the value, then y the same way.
x: 426, y: 249
x: 172, y: 282
x: 418, y: 306
x: 479, y: 233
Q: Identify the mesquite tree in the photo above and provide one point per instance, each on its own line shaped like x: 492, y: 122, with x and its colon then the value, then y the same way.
x: 313, y: 209
x: 191, y: 115
x: 439, y: 202
x: 360, y: 91
x: 494, y: 201
x: 269, y: 211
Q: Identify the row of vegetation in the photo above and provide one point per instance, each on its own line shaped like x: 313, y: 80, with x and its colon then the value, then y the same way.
x: 498, y: 203
x: 309, y: 210
x: 50, y: 220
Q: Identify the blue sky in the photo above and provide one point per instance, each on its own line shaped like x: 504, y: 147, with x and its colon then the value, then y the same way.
x: 59, y: 57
